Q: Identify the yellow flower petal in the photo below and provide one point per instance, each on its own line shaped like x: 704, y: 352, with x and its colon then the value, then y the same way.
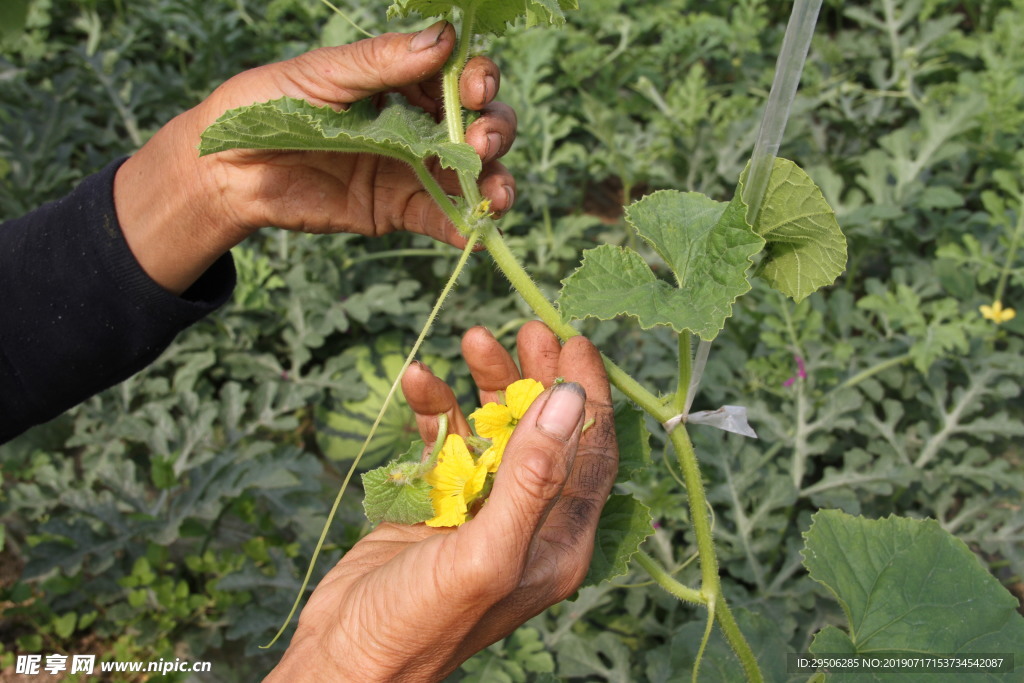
x: 491, y: 458
x: 996, y: 313
x: 519, y: 395
x: 493, y: 421
x: 456, y: 481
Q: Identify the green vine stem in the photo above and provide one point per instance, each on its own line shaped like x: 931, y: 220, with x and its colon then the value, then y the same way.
x: 667, y: 582
x: 704, y: 641
x: 710, y: 582
x: 521, y: 281
x: 1011, y: 254
x: 685, y: 368
x: 453, y: 102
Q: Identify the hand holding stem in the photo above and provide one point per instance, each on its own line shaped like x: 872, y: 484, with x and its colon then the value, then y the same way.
x: 176, y: 230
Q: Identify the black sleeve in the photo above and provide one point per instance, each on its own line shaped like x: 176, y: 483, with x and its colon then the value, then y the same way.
x: 77, y: 312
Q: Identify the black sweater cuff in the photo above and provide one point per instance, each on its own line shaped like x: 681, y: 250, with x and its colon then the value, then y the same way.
x: 77, y: 312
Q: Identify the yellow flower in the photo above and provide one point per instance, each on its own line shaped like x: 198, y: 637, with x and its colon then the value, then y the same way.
x: 456, y: 481
x: 996, y: 313
x: 495, y: 421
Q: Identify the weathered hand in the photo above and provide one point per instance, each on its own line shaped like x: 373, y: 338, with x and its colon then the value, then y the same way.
x: 410, y: 603
x: 180, y: 212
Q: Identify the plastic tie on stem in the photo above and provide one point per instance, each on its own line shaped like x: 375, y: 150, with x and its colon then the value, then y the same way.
x: 727, y: 418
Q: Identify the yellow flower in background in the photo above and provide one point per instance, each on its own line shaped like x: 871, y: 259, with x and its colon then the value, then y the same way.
x: 996, y: 313
x: 495, y: 421
x: 456, y: 481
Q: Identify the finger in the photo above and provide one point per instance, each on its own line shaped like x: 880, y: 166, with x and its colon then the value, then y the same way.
x: 423, y: 216
x: 479, y: 83
x: 538, y: 349
x: 347, y: 73
x: 593, y: 473
x: 498, y: 185
x: 425, y: 95
x: 534, y: 469
x: 493, y: 133
x: 430, y: 396
x: 490, y: 364
x: 495, y: 182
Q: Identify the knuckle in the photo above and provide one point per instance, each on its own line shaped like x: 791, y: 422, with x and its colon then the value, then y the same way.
x: 538, y: 474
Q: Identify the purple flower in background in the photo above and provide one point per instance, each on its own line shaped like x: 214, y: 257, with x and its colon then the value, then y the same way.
x: 801, y: 372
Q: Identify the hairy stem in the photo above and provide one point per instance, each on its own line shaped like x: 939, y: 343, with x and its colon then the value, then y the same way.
x: 711, y: 591
x: 710, y: 582
x: 698, y: 509
x: 453, y: 102
x: 1011, y: 254
x: 705, y: 639
x: 667, y: 582
x: 737, y: 642
x: 528, y: 290
x: 685, y: 368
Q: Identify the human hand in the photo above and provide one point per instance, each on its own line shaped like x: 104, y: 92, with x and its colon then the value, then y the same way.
x: 410, y: 603
x: 180, y: 212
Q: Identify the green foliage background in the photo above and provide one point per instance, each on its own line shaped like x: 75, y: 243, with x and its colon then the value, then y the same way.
x: 173, y: 514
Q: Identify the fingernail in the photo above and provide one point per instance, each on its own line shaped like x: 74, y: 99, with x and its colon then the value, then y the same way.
x: 428, y: 37
x: 510, y: 197
x: 561, y: 414
x: 490, y: 88
x: 494, y: 143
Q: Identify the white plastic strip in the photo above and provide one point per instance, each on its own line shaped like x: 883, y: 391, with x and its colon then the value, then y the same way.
x: 727, y: 418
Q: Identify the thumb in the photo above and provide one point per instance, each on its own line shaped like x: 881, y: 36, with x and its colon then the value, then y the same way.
x: 347, y: 73
x: 534, y: 468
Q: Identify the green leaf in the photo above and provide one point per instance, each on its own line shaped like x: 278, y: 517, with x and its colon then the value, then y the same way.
x: 805, y: 247
x: 396, y: 492
x: 511, y: 660
x: 634, y: 441
x: 30, y: 642
x: 13, y: 14
x: 707, y: 245
x: 604, y: 657
x: 908, y: 586
x: 625, y: 523
x: 548, y: 12
x: 64, y: 625
x: 398, y: 131
x: 161, y: 472
x: 489, y: 16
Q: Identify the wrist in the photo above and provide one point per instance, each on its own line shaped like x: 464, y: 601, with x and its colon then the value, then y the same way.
x: 168, y: 209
